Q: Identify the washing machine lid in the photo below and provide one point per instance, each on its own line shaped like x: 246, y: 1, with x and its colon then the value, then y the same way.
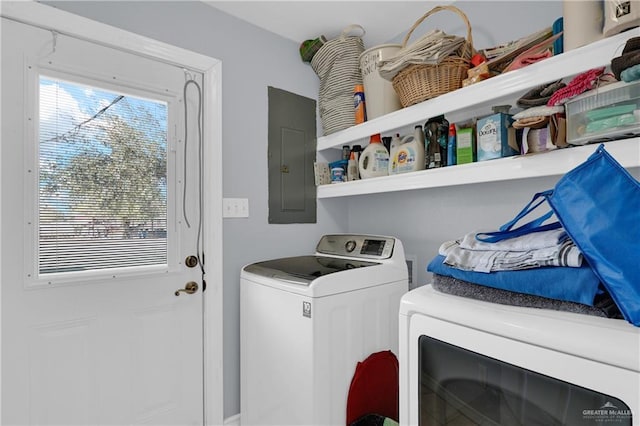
x: 304, y: 270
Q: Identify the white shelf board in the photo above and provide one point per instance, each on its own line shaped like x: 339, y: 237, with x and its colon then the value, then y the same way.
x: 511, y: 83
x: 552, y: 163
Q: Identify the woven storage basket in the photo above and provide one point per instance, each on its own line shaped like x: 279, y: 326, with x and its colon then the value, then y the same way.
x: 417, y: 82
x: 337, y: 64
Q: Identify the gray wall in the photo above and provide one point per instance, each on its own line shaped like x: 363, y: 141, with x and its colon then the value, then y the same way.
x: 492, y: 22
x: 423, y: 219
x: 254, y: 59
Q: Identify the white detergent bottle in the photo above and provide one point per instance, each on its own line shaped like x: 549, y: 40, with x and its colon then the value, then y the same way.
x: 374, y: 160
x: 393, y: 148
x: 409, y: 156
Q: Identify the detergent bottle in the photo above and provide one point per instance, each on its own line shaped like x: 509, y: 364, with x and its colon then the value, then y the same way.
x: 409, y: 156
x: 374, y: 159
x: 393, y: 149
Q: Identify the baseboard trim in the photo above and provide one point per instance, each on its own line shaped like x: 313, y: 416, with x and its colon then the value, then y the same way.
x: 232, y: 421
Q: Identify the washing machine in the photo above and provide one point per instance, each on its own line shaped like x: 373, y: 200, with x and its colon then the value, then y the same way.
x: 306, y: 322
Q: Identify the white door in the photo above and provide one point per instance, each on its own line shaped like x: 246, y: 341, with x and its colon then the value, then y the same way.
x: 92, y: 253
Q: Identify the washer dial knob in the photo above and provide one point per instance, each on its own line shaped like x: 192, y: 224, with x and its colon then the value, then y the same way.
x: 350, y: 246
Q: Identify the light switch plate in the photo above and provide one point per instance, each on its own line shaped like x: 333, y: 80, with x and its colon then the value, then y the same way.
x: 235, y: 207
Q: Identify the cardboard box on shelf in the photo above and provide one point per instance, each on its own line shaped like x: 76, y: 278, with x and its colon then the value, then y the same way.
x: 496, y: 138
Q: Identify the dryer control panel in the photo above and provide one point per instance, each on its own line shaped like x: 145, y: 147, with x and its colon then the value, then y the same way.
x: 361, y: 246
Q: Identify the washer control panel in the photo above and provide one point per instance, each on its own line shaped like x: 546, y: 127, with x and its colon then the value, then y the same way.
x: 362, y: 246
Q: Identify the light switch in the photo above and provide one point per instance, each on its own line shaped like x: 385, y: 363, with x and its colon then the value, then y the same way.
x: 235, y: 207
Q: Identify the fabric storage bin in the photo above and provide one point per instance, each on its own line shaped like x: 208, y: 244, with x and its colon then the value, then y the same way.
x: 337, y: 64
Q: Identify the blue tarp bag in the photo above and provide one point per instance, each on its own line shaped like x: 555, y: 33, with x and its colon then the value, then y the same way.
x: 598, y: 204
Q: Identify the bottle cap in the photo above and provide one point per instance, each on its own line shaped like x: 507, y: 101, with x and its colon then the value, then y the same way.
x: 501, y: 108
x: 358, y: 88
x: 375, y: 138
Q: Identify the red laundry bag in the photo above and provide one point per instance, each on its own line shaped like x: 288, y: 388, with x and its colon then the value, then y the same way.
x: 374, y: 388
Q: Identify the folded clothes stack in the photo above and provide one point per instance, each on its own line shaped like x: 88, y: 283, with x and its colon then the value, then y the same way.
x: 430, y: 49
x: 543, y: 125
x: 546, y: 248
x: 626, y: 67
x: 546, y: 266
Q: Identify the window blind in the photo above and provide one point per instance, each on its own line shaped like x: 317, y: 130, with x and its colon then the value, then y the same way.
x: 102, y: 179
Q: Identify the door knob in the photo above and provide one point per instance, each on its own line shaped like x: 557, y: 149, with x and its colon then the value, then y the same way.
x: 190, y: 288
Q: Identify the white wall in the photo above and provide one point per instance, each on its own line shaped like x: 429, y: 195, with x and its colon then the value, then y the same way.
x: 254, y: 59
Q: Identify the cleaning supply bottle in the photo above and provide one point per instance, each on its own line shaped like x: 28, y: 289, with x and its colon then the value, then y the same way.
x: 436, y: 131
x: 386, y: 141
x: 409, y: 156
x: 359, y: 104
x: 393, y: 149
x: 357, y: 149
x: 352, y: 167
x: 374, y: 159
x: 451, y: 146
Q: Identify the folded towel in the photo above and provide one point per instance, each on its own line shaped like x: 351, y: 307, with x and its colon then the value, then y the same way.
x: 539, y: 111
x: 603, y: 305
x: 579, y: 285
x: 631, y: 74
x: 531, y: 122
x: 564, y: 254
x: 540, y: 95
x: 583, y: 82
x: 534, y: 54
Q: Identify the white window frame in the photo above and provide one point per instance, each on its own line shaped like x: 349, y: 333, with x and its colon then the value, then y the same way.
x: 32, y: 156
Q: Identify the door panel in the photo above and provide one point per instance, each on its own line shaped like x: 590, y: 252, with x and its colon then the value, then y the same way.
x: 292, y: 151
x: 96, y: 348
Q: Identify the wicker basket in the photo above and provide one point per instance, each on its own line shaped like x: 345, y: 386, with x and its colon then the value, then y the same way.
x: 417, y: 82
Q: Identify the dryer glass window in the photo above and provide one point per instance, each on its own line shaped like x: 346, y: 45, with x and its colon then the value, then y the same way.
x: 460, y: 387
x: 102, y: 179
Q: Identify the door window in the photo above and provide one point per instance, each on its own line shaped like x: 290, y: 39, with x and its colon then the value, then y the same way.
x: 102, y: 179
